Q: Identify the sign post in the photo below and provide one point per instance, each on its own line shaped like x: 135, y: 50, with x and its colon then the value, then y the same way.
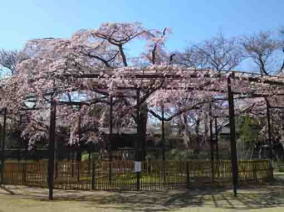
x: 137, y: 170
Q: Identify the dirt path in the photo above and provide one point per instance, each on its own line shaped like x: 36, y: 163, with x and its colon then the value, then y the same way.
x: 263, y: 198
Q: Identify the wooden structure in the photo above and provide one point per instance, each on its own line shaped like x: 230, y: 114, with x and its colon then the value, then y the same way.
x: 228, y: 91
x: 155, y: 175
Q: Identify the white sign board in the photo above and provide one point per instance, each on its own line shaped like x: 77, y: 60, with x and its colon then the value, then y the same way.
x: 137, y: 166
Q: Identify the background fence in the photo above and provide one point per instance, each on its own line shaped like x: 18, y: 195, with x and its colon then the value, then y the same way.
x: 120, y: 175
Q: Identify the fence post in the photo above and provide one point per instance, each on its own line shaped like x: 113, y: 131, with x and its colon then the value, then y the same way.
x: 93, y: 172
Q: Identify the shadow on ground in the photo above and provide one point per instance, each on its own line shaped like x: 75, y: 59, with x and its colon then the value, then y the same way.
x: 250, y: 197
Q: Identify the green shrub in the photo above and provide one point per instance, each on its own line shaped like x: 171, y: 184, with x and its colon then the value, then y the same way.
x: 281, y: 169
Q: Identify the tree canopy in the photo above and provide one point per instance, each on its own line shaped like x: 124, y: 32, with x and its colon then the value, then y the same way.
x: 92, y: 69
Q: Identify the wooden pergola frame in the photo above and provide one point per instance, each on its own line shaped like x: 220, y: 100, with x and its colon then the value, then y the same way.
x: 274, y: 81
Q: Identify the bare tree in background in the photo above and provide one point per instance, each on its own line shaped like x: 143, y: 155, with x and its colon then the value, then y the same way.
x: 189, y: 58
x: 10, y: 58
x: 281, y: 70
x: 218, y: 53
x: 262, y: 49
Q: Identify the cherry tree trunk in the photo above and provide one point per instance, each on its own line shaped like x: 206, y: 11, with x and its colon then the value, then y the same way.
x: 141, y: 132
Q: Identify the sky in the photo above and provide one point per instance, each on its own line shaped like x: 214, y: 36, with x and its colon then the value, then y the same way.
x: 191, y: 21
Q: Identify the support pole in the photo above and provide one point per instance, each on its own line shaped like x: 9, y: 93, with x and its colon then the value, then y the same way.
x: 234, y: 159
x: 110, y: 137
x: 216, y: 139
x: 93, y: 172
x: 25, y: 157
x: 72, y: 161
x: 89, y: 161
x: 79, y: 153
x: 51, y: 147
x: 56, y: 159
x: 217, y: 147
x: 19, y: 146
x: 138, y: 141
x: 3, y: 144
x: 163, y: 143
x: 269, y: 128
x: 163, y: 132
x: 211, y: 142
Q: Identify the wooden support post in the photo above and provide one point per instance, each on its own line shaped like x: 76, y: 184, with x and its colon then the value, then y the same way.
x: 19, y: 146
x: 3, y: 145
x: 51, y: 147
x: 79, y: 153
x: 72, y: 162
x: 56, y: 159
x: 234, y: 159
x: 138, y: 142
x: 89, y: 161
x: 78, y: 168
x: 269, y: 134
x: 110, y: 138
x: 163, y: 133
x: 93, y: 172
x: 217, y: 147
x: 216, y: 139
x: 25, y: 157
x: 211, y: 143
x: 269, y: 131
x: 56, y: 168
x: 163, y: 143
